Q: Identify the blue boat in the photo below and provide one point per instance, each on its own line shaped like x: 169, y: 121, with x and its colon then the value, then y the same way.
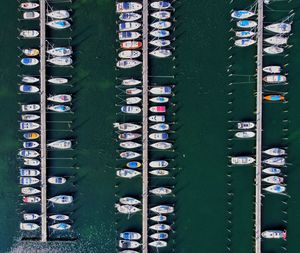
x: 130, y: 236
x: 60, y: 226
x: 160, y: 5
x: 59, y: 108
x: 160, y: 33
x: 30, y: 144
x: 129, y: 16
x: 29, y: 88
x: 160, y: 127
x: 59, y: 24
x: 29, y: 61
x: 133, y: 164
x: 241, y: 14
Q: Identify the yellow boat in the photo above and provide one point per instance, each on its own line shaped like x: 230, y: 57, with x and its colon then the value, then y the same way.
x: 31, y: 136
x: 31, y: 51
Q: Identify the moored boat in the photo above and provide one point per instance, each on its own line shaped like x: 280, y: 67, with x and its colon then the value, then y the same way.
x: 275, y: 161
x: 29, y: 61
x: 29, y: 33
x: 131, y: 109
x: 130, y: 145
x: 127, y: 209
x: 28, y: 180
x: 30, y: 216
x: 28, y: 153
x: 161, y: 90
x: 130, y: 235
x: 61, y: 98
x: 160, y: 42
x: 126, y: 244
x: 58, y: 14
x: 245, y: 134
x: 281, y: 28
x: 159, y: 172
x: 133, y: 164
x: 31, y: 15
x: 25, y: 126
x: 56, y: 180
x: 159, y: 100
x: 129, y: 201
x: 271, y: 171
x: 242, y: 160
x: 31, y: 199
x: 127, y: 126
x: 274, y: 78
x: 161, y: 191
x: 129, y: 136
x: 277, y: 40
x: 159, y: 136
x: 161, y: 15
x: 127, y: 173
x: 31, y: 135
x: 60, y: 51
x: 28, y: 88
x: 29, y: 191
x: 161, y: 24
x: 129, y: 54
x: 159, y: 236
x: 244, y: 34
x: 59, y: 24
x: 158, y: 244
x: 159, y: 218
x: 29, y: 5
x: 60, y: 144
x: 157, y: 118
x: 59, y: 217
x: 162, y: 209
x: 245, y: 125
x: 275, y: 188
x: 129, y: 16
x: 129, y: 26
x: 29, y: 172
x: 61, y: 199
x: 31, y: 162
x: 61, y: 61
x: 30, y: 144
x: 273, y: 50
x: 133, y: 91
x: 131, y: 44
x: 242, y: 14
x: 158, y: 109
x: 60, y: 226
x: 129, y: 155
x: 274, y: 234
x: 244, y: 42
x: 129, y: 35
x: 246, y: 24
x: 161, y: 53
x: 30, y: 107
x: 130, y: 82
x: 160, y: 227
x: 274, y: 97
x: 126, y: 64
x: 160, y: 127
x: 31, y: 52
x: 161, y: 5
x: 30, y: 79
x: 161, y: 145
x: 30, y: 117
x: 160, y: 33
x: 158, y: 164
x: 29, y: 226
x: 59, y: 108
x: 272, y: 69
x: 123, y: 7
x: 273, y: 180
x: 275, y: 151
x: 133, y: 100
x: 58, y: 80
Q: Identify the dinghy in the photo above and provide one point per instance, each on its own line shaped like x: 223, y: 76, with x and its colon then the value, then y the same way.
x: 157, y: 118
x: 131, y: 44
x: 59, y: 108
x: 131, y: 109
x: 130, y: 235
x: 160, y: 227
x: 30, y: 107
x: 129, y: 35
x: 58, y: 80
x: 133, y: 100
x: 244, y: 42
x: 159, y: 100
x: 29, y: 79
x: 127, y: 126
x: 130, y: 145
x: 161, y: 5
x: 274, y: 98
x: 273, y: 50
x: 31, y: 136
x: 29, y: 172
x: 245, y: 125
x: 275, y: 151
x: 56, y: 180
x: 29, y: 61
x: 61, y: 61
x: 31, y: 162
x: 281, y: 28
x: 31, y: 199
x: 160, y: 127
x: 60, y: 144
x: 277, y: 40
x: 244, y: 34
x: 59, y: 14
x: 275, y: 188
x: 129, y: 26
x: 31, y: 52
x: 158, y: 244
x: 161, y: 53
x: 159, y: 136
x: 133, y: 165
x: 158, y: 109
x: 29, y: 226
x: 28, y: 88
x: 273, y: 180
x: 123, y: 7
x: 25, y: 126
x: 159, y: 218
x: 159, y: 236
x: 246, y: 24
x: 60, y: 226
x: 160, y: 43
x: 62, y: 98
x: 30, y: 216
x: 29, y: 180
x: 245, y: 134
x: 130, y: 82
x: 127, y: 64
x: 29, y: 33
x: 161, y: 90
x: 31, y: 15
x: 129, y: 16
x: 271, y: 171
x: 272, y: 69
x: 274, y: 79
x: 242, y: 160
x: 158, y: 164
x: 161, y: 25
x: 127, y: 173
x: 61, y: 199
x: 29, y: 5
x: 275, y: 161
x: 129, y: 54
x: 59, y: 24
x: 242, y: 14
x: 159, y: 172
x: 30, y: 144
x: 59, y: 217
x: 274, y: 234
x: 161, y: 15
x: 161, y: 145
x: 162, y: 209
x: 160, y: 33
x: 161, y: 191
x: 129, y: 201
x: 28, y: 153
x: 29, y: 190
x: 129, y: 136
x: 60, y: 51
x: 133, y: 91
x: 125, y: 244
x: 127, y: 209
x: 129, y: 155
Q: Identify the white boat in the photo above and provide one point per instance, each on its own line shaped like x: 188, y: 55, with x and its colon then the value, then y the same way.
x: 275, y: 161
x: 61, y: 61
x: 242, y: 14
x: 127, y: 126
x: 129, y: 54
x: 127, y: 64
x: 128, y: 7
x: 31, y: 52
x: 131, y: 44
x: 129, y: 26
x: 29, y: 172
x: 160, y: 227
x: 60, y: 51
x: 160, y: 42
x: 59, y: 108
x: 159, y: 172
x: 127, y: 209
x: 159, y: 136
x: 161, y: 15
x: 29, y: 33
x: 162, y: 209
x: 129, y: 35
x: 281, y: 28
x: 61, y: 199
x: 277, y: 40
x: 244, y: 34
x: 29, y: 5
x: 129, y: 16
x: 30, y: 79
x: 158, y: 109
x: 133, y: 100
x: 126, y: 244
x: 274, y: 234
x: 161, y: 24
x: 59, y: 24
x: 59, y: 217
x: 29, y: 191
x: 158, y: 244
x: 160, y: 127
x: 161, y: 53
x: 159, y: 236
x: 29, y: 226
x: 129, y: 155
x: 58, y: 80
x: 161, y: 191
x: 129, y: 136
x: 31, y: 162
x: 159, y: 218
x: 275, y: 188
x: 30, y: 216
x: 28, y: 153
x: 59, y: 14
x: 30, y: 144
x: 245, y: 134
x: 31, y: 135
x: 29, y: 61
x: 161, y: 90
x: 130, y: 145
x: 161, y: 145
x: 159, y: 100
x: 273, y: 50
x: 273, y: 180
x: 244, y: 42
x: 274, y: 79
x: 28, y: 180
x: 161, y: 5
x: 157, y: 118
x: 275, y: 151
x: 272, y: 69
x: 129, y: 201
x: 130, y: 235
x: 60, y: 226
x: 60, y: 144
x: 31, y: 199
x: 127, y: 173
x: 30, y: 107
x: 28, y: 88
x: 133, y: 91
x: 246, y: 24
x: 158, y: 164
x: 160, y: 33
x: 56, y: 180
x: 271, y: 171
x: 242, y: 160
x: 61, y: 98
x: 31, y: 15
x: 131, y: 109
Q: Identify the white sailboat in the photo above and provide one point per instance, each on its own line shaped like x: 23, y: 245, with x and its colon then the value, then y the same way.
x: 158, y: 244
x: 127, y: 126
x: 58, y: 14
x: 273, y: 50
x: 161, y: 191
x: 60, y: 144
x: 277, y: 40
x: 275, y: 188
x: 271, y: 171
x: 127, y: 173
x: 161, y: 15
x: 161, y: 53
x: 160, y: 227
x: 281, y: 28
x: 127, y: 209
x: 129, y: 201
x: 161, y: 145
x: 129, y: 26
x: 30, y: 79
x: 130, y: 145
x: 129, y: 54
x: 275, y: 161
x: 127, y: 64
x: 162, y: 209
x: 275, y: 151
x: 158, y: 164
x: 159, y: 172
x: 61, y: 98
x: 61, y: 61
x: 272, y: 69
x: 123, y: 7
x: 60, y: 51
x: 245, y: 134
x: 273, y: 180
x: 29, y: 33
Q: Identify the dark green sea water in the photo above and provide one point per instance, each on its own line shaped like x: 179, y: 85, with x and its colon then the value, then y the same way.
x: 214, y: 202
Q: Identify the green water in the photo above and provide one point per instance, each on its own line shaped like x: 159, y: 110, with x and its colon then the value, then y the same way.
x: 207, y: 218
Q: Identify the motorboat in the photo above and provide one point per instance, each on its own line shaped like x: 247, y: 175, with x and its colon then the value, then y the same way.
x: 161, y: 145
x: 123, y: 7
x: 161, y: 53
x: 30, y: 216
x: 274, y: 78
x: 59, y: 24
x: 129, y: 16
x: 277, y: 40
x: 31, y: 15
x: 29, y: 180
x: 60, y: 144
x: 29, y: 191
x: 271, y: 171
x: 161, y: 24
x: 127, y: 209
x: 31, y: 162
x: 133, y: 164
x: 160, y: 127
x: 129, y: 127
x: 244, y: 34
x: 30, y: 117
x: 242, y: 160
x: 158, y: 109
x: 126, y: 244
x: 31, y: 199
x: 161, y: 5
x: 129, y: 54
x: 161, y: 191
x: 60, y: 51
x: 129, y: 136
x: 61, y: 61
x: 60, y: 226
x: 273, y: 50
x: 56, y: 180
x: 162, y: 209
x: 244, y: 42
x: 30, y: 144
x: 29, y: 33
x: 29, y: 61
x: 58, y: 80
x: 30, y: 79
x: 161, y: 90
x: 61, y: 199
x: 31, y: 136
x: 131, y: 44
x: 275, y: 188
x: 130, y: 82
x: 127, y: 173
x: 159, y: 236
x: 129, y: 35
x: 61, y: 98
x: 29, y: 226
x: 29, y: 5
x: 58, y: 14
x: 129, y: 201
x: 160, y: 43
x: 245, y: 134
x: 272, y: 69
x: 274, y: 97
x: 59, y: 217
x: 133, y: 100
x: 159, y: 218
x: 162, y: 15
x: 242, y: 14
x: 59, y: 108
x: 160, y: 227
x: 130, y: 145
x: 127, y: 64
x: 245, y: 125
x: 275, y: 151
x: 246, y: 24
x: 159, y: 136
x: 129, y: 26
x: 130, y: 235
x: 158, y: 164
x: 275, y: 161
x: 159, y: 100
x: 28, y: 88
x: 273, y: 180
x: 160, y: 33
x: 133, y: 91
x: 129, y: 155
x: 25, y: 126
x: 159, y: 172
x: 274, y: 234
x: 157, y: 118
x: 158, y: 244
x: 28, y: 153
x: 281, y: 28
x: 131, y: 109
x: 31, y: 52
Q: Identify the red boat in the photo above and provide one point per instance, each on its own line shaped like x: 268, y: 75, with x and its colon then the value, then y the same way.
x: 31, y: 199
x: 131, y: 44
x: 157, y: 109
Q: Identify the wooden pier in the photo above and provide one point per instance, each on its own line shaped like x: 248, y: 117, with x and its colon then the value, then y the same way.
x: 145, y: 127
x: 260, y: 14
x: 43, y: 101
